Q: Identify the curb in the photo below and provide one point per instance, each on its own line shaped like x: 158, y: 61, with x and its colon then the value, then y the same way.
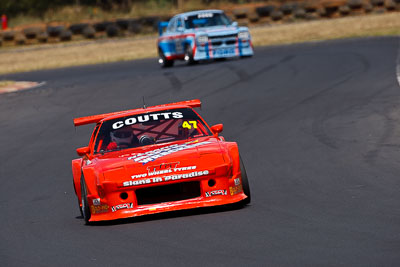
x: 18, y: 86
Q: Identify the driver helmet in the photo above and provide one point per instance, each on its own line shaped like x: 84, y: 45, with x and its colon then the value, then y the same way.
x: 183, y: 132
x: 122, y: 136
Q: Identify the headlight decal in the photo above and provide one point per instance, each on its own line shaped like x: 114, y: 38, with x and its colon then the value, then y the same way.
x: 202, y: 39
x: 244, y: 35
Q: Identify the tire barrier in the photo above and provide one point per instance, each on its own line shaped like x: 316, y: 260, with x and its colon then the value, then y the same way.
x: 9, y: 36
x: 134, y: 26
x: 390, y: 5
x: 32, y: 32
x: 123, y: 24
x: 380, y: 10
x: 276, y: 15
x: 240, y: 13
x: 265, y: 11
x: 310, y: 7
x: 150, y: 22
x: 300, y: 13
x: 55, y: 31
x: 65, y: 35
x: 20, y: 39
x: 101, y: 26
x: 321, y: 11
x: 344, y: 10
x: 288, y: 8
x: 355, y: 4
x: 368, y: 8
x: 276, y: 12
x: 78, y: 28
x: 43, y: 37
x: 253, y: 17
x: 378, y: 3
x: 89, y: 32
x: 112, y: 30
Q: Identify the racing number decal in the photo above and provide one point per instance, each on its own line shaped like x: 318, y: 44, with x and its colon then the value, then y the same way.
x: 186, y: 124
x: 179, y: 46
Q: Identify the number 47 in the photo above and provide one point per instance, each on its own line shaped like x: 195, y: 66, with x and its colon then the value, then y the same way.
x: 187, y: 125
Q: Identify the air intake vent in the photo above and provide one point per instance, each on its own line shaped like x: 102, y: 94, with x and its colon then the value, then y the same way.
x: 168, y: 193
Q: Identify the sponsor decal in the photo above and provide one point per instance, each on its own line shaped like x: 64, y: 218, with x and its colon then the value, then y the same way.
x: 237, y: 181
x: 164, y: 151
x: 146, y: 118
x: 163, y: 168
x: 221, y: 192
x: 122, y: 206
x: 205, y: 15
x: 96, y: 201
x: 99, y: 209
x: 167, y: 178
x: 235, y: 190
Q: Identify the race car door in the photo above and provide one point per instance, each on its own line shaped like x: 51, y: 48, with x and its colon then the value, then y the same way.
x: 171, y: 35
x: 180, y: 37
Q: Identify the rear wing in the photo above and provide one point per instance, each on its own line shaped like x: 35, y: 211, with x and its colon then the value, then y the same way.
x: 195, y: 103
x: 161, y: 26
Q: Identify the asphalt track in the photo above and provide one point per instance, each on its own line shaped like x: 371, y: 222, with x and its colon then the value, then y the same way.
x: 318, y: 127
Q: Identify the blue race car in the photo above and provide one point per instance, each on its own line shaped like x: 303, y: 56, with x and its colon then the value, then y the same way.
x: 202, y: 35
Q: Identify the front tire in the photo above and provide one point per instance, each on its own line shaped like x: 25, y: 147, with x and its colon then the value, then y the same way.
x: 189, y: 55
x: 85, y: 203
x: 245, y: 184
x: 164, y: 62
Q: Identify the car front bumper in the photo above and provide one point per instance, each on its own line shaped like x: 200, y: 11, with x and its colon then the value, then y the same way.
x: 224, y: 191
x: 238, y: 49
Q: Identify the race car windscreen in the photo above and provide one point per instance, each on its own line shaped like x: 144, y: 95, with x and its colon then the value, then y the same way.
x: 208, y: 19
x: 149, y: 128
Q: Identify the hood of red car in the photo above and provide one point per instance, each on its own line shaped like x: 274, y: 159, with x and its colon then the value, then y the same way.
x: 161, y: 159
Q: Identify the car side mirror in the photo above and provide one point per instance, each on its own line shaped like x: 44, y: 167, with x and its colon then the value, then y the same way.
x: 235, y: 24
x: 82, y: 151
x: 216, y: 129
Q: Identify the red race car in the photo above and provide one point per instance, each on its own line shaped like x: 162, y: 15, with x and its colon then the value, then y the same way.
x: 156, y: 159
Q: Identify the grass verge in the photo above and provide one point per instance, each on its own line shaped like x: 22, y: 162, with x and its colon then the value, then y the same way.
x: 91, y: 52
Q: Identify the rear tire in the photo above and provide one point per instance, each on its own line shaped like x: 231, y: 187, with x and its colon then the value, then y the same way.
x: 85, y: 204
x: 164, y: 62
x: 245, y: 184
